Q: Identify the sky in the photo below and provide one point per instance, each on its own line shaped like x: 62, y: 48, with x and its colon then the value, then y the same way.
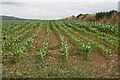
x: 54, y: 9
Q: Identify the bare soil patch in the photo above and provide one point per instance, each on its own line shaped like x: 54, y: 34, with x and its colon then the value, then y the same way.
x: 38, y: 41
x: 54, y: 41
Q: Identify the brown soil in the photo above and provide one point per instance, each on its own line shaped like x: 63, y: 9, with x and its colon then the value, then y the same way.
x: 96, y: 64
x: 29, y: 64
x: 30, y: 35
x: 69, y: 41
x: 99, y: 63
x: 93, y: 38
x: 54, y: 41
x: 96, y: 58
x: 107, y: 66
x: 38, y: 41
x: 55, y: 53
x: 42, y: 35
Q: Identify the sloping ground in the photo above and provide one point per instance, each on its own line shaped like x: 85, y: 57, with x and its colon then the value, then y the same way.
x: 54, y: 50
x: 29, y: 65
x: 95, y: 66
x: 54, y: 66
x: 112, y: 19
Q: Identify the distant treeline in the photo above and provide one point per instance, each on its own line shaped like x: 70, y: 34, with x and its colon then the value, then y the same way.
x: 100, y: 15
x: 105, y: 17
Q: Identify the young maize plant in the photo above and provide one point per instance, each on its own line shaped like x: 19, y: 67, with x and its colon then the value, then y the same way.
x: 63, y: 44
x: 21, y: 48
x: 43, y: 51
x: 92, y: 44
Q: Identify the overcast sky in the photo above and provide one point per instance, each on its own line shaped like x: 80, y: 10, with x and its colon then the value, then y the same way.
x: 54, y: 9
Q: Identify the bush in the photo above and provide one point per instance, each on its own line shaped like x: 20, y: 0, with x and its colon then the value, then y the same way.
x: 100, y: 15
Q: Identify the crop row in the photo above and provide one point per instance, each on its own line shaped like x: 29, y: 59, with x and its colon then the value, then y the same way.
x: 16, y: 44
